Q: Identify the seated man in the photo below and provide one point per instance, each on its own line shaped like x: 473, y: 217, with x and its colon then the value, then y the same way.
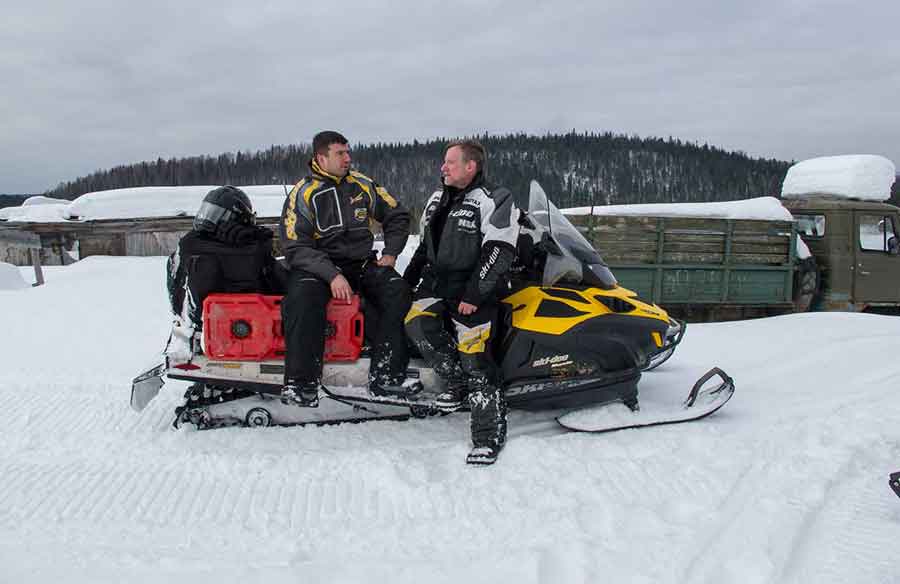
x: 224, y: 252
x: 327, y: 240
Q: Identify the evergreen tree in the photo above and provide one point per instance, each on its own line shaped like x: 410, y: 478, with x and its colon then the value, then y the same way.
x: 573, y: 168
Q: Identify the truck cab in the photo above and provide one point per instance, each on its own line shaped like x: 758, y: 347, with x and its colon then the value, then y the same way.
x: 855, y: 246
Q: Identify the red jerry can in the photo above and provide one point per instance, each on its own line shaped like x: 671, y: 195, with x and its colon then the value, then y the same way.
x: 247, y: 327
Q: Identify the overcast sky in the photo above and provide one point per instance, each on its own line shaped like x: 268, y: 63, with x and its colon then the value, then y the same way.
x: 90, y: 85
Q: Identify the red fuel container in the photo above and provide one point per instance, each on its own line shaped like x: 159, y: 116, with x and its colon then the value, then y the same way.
x: 247, y: 327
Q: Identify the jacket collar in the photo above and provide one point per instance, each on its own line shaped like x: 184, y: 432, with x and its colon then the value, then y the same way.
x: 319, y: 172
x: 453, y: 193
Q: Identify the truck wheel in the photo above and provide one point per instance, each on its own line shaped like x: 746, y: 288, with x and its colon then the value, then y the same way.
x: 806, y: 284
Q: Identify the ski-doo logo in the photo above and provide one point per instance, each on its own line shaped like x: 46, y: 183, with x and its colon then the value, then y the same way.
x: 554, y: 360
x: 463, y: 213
x: 490, y: 262
x: 555, y: 386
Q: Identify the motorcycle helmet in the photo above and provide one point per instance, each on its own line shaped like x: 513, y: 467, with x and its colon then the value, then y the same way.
x: 223, y: 204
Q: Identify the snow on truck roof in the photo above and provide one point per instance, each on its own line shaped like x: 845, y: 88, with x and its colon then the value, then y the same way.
x: 760, y: 208
x: 856, y: 176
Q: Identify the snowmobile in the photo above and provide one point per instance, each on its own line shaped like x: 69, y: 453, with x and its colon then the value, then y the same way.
x: 570, y: 339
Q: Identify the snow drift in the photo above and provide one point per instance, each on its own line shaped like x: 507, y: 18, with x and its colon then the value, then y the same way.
x: 787, y: 484
x: 11, y: 278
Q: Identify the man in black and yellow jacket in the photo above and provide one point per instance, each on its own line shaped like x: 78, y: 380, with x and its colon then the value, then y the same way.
x: 327, y: 240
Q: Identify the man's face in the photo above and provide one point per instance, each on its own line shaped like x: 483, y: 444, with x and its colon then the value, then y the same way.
x: 337, y: 161
x: 456, y: 172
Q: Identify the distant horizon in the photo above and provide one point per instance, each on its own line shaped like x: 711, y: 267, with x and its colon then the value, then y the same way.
x: 420, y: 140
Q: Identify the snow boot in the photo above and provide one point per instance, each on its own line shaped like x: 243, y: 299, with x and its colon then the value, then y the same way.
x: 301, y: 394
x: 483, y: 455
x: 488, y: 424
x: 453, y: 398
x: 406, y: 388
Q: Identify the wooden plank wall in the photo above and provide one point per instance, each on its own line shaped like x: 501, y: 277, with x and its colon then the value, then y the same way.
x: 686, y: 241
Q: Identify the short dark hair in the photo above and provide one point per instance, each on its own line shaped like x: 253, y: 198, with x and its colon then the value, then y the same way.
x: 323, y: 140
x: 471, y: 150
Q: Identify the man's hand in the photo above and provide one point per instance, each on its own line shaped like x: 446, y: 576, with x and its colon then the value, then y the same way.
x: 387, y: 260
x: 340, y: 288
x: 466, y: 309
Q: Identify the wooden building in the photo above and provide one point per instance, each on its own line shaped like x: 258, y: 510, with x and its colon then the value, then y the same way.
x: 63, y: 242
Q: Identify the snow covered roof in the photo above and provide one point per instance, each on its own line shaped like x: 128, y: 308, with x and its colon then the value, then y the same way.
x: 762, y: 208
x: 858, y: 176
x: 42, y: 200
x: 43, y: 213
x: 139, y: 202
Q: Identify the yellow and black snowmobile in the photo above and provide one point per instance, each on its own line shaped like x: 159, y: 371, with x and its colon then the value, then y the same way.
x: 570, y: 337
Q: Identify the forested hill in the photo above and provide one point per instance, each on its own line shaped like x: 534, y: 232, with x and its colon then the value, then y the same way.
x: 574, y: 169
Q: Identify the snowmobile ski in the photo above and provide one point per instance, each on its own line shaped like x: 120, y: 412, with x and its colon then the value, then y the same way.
x: 654, y: 409
x: 895, y: 483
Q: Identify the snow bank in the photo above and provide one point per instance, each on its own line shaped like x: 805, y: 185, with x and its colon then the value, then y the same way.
x: 859, y: 176
x: 11, y: 278
x: 762, y: 208
x: 166, y: 202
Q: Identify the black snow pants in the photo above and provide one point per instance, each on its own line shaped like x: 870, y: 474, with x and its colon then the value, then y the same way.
x: 303, y: 318
x: 464, y: 360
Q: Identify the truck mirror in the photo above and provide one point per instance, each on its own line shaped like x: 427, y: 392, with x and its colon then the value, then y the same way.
x: 892, y: 245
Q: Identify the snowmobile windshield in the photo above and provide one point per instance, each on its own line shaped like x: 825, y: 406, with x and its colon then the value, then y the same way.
x: 570, y: 257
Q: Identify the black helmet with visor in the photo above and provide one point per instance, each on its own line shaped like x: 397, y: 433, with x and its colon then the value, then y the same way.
x: 224, y: 204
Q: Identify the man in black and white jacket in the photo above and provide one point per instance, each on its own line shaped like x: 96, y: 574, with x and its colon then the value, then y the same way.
x: 468, y: 242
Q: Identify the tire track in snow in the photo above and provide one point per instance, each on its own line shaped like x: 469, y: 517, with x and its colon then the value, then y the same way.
x: 852, y: 522
x: 767, y: 518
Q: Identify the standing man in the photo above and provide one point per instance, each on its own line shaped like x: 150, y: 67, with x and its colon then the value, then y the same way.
x: 468, y: 243
x: 327, y: 241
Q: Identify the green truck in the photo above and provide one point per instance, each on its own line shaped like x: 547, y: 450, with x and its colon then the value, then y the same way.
x: 709, y: 269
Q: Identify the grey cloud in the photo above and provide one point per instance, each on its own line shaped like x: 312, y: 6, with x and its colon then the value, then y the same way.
x: 96, y: 84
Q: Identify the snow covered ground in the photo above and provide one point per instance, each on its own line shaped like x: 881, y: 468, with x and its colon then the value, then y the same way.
x: 788, y: 483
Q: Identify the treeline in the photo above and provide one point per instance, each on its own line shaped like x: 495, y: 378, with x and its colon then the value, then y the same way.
x: 574, y: 169
x: 12, y: 200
